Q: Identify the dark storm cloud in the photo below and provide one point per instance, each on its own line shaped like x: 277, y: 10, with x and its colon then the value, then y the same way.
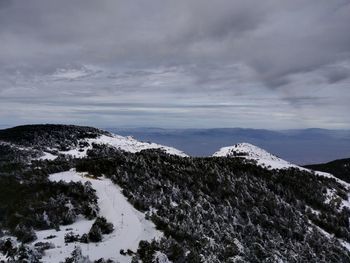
x: 193, y: 52
x: 276, y: 39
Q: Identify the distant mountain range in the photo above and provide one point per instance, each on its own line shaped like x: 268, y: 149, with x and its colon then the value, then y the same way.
x: 304, y: 146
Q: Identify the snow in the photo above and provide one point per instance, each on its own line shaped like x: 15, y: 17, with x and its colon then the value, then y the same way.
x: 130, y: 225
x: 127, y: 144
x: 47, y: 156
x: 174, y: 204
x: 238, y: 245
x: 345, y: 203
x: 266, y: 159
x: 160, y: 257
x: 14, y: 241
x: 253, y: 152
x: 345, y: 244
x: 270, y: 161
x: 314, y: 211
x: 331, y: 195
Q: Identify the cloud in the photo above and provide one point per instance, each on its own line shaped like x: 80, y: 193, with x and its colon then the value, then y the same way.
x: 117, y: 54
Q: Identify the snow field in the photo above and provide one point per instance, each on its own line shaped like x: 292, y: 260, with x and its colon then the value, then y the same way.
x: 130, y: 225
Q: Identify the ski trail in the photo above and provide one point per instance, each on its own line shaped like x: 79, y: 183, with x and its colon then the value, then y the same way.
x: 130, y: 225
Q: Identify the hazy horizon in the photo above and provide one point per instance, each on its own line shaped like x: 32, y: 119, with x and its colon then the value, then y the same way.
x: 6, y: 126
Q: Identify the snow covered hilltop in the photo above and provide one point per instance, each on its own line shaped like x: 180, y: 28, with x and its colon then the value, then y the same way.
x: 252, y: 152
x: 54, y: 140
x: 79, y: 194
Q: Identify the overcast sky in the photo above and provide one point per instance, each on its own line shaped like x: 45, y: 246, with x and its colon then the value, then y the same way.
x: 185, y: 63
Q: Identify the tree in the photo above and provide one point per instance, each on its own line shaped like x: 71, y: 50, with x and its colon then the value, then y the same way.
x: 95, y: 233
x: 77, y: 257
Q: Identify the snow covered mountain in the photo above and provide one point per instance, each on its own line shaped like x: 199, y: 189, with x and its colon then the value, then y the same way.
x: 128, y: 144
x: 252, y: 152
x: 49, y: 141
x: 265, y: 159
x: 162, y: 207
x: 260, y: 156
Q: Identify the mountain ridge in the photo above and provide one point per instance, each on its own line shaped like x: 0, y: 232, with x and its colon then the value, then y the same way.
x: 73, y: 140
x: 339, y: 168
x: 231, y: 208
x: 297, y: 146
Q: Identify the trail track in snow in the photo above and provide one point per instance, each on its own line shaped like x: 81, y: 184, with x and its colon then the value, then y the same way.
x: 130, y: 225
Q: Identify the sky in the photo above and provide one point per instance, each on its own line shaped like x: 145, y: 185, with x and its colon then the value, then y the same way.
x: 176, y: 64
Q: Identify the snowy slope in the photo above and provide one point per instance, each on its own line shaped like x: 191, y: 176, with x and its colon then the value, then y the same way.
x: 128, y: 144
x: 130, y: 225
x: 270, y: 161
x: 265, y: 159
x: 252, y: 152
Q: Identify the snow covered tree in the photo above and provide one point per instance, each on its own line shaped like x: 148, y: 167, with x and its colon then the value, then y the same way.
x: 77, y: 257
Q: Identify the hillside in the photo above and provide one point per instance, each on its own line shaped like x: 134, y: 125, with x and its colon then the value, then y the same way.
x: 264, y: 159
x: 49, y: 135
x: 242, y: 205
x: 252, y: 152
x: 49, y: 141
x: 339, y: 168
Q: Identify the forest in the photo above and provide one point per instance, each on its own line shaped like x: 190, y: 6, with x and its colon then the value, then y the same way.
x: 213, y: 209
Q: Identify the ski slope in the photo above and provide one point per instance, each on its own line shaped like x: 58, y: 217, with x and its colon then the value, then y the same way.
x: 130, y: 225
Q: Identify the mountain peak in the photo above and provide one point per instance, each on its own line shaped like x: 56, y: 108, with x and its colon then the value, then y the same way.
x: 252, y: 152
x: 53, y: 140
